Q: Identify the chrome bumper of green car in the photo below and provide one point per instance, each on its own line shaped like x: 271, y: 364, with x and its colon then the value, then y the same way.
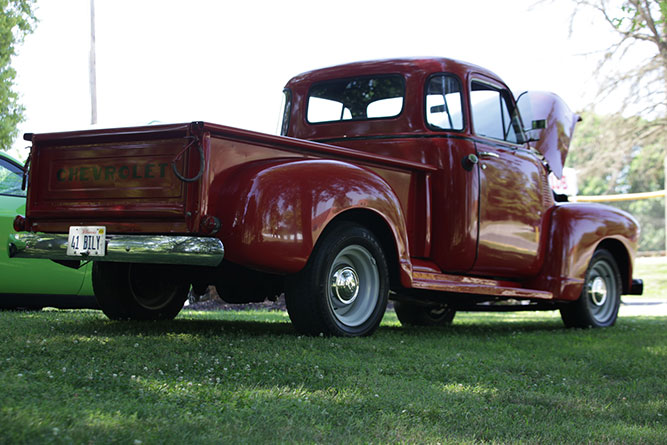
x: 153, y: 249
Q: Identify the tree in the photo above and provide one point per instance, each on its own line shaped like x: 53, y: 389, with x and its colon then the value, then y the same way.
x: 16, y: 22
x: 641, y: 25
x: 620, y: 154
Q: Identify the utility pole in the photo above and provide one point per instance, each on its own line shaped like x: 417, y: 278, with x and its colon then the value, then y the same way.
x: 93, y: 74
x: 665, y: 189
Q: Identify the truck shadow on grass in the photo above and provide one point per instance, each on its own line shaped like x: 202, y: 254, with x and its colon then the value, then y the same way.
x: 276, y: 324
x: 204, y: 328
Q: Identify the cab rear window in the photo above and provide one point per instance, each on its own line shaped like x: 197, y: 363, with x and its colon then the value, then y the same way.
x: 356, y: 99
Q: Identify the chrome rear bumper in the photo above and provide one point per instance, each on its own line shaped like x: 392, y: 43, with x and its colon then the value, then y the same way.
x: 154, y: 249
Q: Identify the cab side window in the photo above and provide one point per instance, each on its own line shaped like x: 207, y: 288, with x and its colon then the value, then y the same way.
x: 443, y: 103
x: 493, y: 115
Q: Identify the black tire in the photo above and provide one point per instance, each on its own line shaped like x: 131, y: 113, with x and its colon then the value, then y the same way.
x: 138, y: 291
x: 410, y: 314
x: 600, y: 297
x: 343, y: 289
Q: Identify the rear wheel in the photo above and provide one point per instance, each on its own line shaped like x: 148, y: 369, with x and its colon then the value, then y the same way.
x: 138, y: 291
x: 600, y: 297
x: 410, y: 314
x: 343, y: 288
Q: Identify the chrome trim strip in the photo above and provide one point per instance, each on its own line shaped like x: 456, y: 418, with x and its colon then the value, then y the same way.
x: 154, y: 249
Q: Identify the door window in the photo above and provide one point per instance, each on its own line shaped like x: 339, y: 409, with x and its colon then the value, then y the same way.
x: 493, y: 115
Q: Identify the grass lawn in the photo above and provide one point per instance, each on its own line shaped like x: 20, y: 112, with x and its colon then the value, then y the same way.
x: 653, y: 270
x: 246, y: 377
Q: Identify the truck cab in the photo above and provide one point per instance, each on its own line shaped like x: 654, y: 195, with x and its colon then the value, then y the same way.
x: 488, y: 197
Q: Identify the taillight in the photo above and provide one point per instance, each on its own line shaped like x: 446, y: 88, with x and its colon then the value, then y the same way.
x: 19, y: 223
x: 209, y: 225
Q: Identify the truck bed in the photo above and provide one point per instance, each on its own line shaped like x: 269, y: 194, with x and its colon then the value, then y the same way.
x: 123, y: 178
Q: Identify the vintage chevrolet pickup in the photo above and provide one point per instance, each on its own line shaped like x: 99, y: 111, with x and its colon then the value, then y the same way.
x: 423, y: 181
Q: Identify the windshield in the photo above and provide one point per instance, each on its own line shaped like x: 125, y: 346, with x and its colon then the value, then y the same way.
x: 11, y: 178
x: 356, y: 99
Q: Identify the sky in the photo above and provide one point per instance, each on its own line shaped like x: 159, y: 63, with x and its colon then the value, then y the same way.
x: 227, y: 62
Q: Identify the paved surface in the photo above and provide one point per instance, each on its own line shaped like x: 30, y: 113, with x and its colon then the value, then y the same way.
x: 635, y: 307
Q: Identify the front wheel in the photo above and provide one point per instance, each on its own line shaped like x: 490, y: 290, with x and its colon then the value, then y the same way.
x: 343, y: 289
x: 600, y: 297
x: 138, y: 291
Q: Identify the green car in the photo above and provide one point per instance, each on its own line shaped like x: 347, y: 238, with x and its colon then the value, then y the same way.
x: 29, y: 283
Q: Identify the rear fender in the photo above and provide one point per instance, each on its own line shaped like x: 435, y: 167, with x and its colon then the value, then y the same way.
x: 273, y: 212
x: 576, y: 231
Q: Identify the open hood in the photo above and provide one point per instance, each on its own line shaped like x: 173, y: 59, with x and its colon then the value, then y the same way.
x: 549, y: 119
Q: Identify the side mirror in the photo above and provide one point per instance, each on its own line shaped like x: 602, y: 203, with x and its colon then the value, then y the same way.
x: 534, y: 133
x: 539, y: 124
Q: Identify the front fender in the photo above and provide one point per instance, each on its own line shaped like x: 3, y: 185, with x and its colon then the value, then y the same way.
x: 576, y: 231
x: 273, y: 212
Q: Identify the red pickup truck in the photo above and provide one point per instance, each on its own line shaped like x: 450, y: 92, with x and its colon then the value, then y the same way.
x: 422, y: 181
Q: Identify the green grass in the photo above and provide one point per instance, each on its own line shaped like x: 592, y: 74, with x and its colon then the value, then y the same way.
x: 246, y: 377
x: 653, y: 270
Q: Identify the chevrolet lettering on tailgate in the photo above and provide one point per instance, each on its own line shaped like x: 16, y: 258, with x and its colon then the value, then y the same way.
x: 112, y: 173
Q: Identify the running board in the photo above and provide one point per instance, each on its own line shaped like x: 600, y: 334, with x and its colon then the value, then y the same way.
x: 476, y: 286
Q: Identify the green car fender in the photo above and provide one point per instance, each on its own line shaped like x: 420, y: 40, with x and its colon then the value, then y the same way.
x: 30, y: 277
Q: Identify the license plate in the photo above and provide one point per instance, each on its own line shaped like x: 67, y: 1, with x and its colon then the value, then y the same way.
x: 86, y: 241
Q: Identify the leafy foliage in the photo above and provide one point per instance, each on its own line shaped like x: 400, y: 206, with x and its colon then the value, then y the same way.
x: 17, y: 20
x: 616, y: 154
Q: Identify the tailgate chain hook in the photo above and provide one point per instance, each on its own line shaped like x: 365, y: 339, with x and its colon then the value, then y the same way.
x: 193, y: 140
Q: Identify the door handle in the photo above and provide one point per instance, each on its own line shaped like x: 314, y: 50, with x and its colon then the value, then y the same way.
x: 488, y: 154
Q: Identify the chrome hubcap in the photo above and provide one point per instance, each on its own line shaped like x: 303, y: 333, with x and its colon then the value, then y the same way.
x: 598, y: 291
x: 345, y: 286
x: 603, y: 291
x: 354, y: 285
